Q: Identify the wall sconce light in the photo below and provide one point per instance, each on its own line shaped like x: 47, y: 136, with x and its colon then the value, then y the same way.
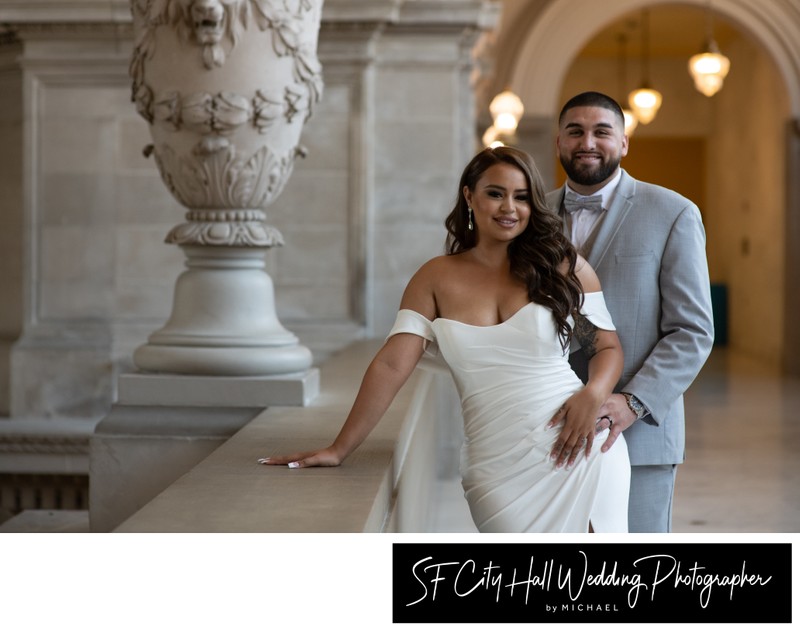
x: 645, y: 101
x: 709, y: 68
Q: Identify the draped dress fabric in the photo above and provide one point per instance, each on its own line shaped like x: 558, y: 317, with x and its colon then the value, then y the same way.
x: 512, y: 378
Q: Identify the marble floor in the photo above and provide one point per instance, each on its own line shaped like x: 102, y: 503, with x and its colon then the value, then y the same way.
x: 742, y: 470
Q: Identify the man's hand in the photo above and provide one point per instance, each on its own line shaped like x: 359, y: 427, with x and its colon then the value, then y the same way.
x: 621, y: 417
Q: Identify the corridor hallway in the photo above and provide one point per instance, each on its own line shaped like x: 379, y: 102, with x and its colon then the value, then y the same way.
x: 742, y: 470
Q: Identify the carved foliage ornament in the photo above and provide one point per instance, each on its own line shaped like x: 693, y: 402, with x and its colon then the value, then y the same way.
x: 228, y: 233
x: 214, y: 182
x: 216, y: 177
x: 197, y: 158
x: 222, y: 113
x: 217, y: 26
x: 202, y: 112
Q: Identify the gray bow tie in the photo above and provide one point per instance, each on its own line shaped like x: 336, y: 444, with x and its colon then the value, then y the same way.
x: 573, y: 203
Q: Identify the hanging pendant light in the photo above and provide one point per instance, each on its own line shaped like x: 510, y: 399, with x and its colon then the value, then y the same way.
x: 491, y: 137
x: 645, y: 101
x: 630, y: 118
x: 506, y: 109
x: 631, y: 122
x: 709, y: 68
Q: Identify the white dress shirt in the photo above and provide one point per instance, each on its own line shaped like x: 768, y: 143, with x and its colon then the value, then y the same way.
x: 583, y: 221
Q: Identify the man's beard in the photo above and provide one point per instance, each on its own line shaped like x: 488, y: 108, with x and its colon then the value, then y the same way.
x: 588, y: 175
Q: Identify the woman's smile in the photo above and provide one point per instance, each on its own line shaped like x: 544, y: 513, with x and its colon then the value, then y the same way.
x: 507, y: 222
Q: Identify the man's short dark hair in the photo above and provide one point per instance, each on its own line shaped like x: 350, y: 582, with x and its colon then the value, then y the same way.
x: 593, y: 99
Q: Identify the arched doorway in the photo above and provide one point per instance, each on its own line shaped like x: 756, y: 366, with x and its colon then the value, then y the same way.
x: 751, y: 204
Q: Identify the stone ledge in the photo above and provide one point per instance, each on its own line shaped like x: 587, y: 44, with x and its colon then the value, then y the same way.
x: 138, y: 450
x: 48, y: 521
x: 188, y: 390
x: 230, y: 492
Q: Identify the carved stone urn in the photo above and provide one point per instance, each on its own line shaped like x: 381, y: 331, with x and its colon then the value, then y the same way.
x: 226, y: 86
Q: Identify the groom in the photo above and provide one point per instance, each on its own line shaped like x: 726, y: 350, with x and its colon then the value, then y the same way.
x: 647, y: 245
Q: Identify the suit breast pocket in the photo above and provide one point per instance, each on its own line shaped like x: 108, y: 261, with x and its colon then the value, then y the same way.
x: 635, y: 258
x: 638, y: 272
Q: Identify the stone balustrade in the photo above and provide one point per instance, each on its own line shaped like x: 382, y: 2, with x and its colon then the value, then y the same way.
x: 387, y: 485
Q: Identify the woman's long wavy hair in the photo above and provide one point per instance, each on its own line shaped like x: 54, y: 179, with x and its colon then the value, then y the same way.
x: 537, y: 253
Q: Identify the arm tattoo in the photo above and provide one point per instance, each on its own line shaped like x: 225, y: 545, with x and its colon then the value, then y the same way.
x: 586, y: 334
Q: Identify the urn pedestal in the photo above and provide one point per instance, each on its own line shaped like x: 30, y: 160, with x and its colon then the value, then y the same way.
x: 223, y: 320
x: 226, y: 86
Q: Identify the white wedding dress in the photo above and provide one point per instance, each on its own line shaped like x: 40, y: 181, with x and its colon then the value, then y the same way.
x: 512, y: 378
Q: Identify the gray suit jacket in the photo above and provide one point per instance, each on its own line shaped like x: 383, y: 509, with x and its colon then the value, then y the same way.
x: 649, y: 252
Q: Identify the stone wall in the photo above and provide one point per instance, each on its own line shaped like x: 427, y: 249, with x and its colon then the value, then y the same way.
x: 85, y: 214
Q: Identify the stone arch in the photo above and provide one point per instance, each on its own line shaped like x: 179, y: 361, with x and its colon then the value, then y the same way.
x: 546, y: 44
x: 554, y: 39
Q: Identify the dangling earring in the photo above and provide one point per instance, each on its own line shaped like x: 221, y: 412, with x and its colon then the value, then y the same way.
x: 469, y: 216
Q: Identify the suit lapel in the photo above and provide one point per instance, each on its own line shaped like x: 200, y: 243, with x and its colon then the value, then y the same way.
x: 558, y: 206
x: 611, y: 223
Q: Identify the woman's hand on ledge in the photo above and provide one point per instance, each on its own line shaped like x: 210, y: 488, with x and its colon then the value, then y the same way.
x: 321, y: 458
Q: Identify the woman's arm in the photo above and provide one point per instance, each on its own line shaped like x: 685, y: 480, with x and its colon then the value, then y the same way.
x: 386, y: 374
x: 579, y: 413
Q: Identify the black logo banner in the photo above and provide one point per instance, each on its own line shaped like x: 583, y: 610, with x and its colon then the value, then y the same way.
x: 572, y: 582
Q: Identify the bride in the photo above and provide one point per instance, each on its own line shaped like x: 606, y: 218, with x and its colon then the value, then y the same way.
x: 502, y: 308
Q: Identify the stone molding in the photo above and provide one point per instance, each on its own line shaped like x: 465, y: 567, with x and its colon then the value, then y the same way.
x: 65, y: 11
x: 43, y: 444
x: 56, y: 446
x: 16, y: 31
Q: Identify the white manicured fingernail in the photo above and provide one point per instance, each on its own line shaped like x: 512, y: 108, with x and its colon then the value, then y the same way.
x: 263, y: 460
x: 294, y: 465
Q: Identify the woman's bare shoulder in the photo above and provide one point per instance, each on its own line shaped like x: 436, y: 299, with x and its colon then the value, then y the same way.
x: 586, y: 275
x: 435, y: 278
x: 420, y: 293
x: 438, y: 265
x: 584, y: 272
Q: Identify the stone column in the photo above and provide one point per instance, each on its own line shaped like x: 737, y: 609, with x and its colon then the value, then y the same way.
x: 12, y: 220
x: 536, y: 135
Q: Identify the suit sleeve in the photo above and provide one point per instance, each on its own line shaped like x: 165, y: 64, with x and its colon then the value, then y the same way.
x: 686, y: 325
